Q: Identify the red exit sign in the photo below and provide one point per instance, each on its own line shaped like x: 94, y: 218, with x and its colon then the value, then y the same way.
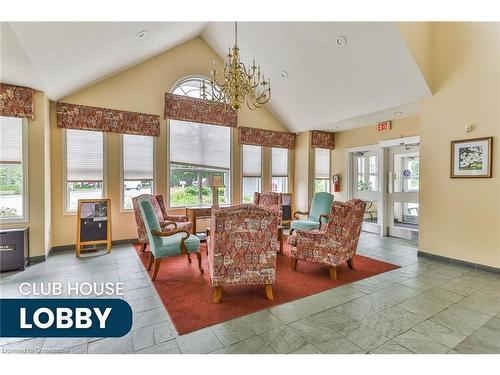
x: 384, y: 126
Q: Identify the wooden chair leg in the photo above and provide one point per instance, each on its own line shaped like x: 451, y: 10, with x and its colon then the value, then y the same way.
x: 269, y: 291
x: 157, y: 268
x: 143, y: 246
x: 198, y: 255
x: 217, y: 294
x: 189, y: 257
x: 151, y: 260
x: 333, y: 273
x: 294, y: 264
x: 349, y: 264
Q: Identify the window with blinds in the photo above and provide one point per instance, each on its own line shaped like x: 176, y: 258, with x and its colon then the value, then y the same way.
x: 13, y: 200
x: 322, y: 170
x: 279, y: 170
x: 252, y: 171
x: 197, y: 152
x: 138, y: 163
x: 84, y: 166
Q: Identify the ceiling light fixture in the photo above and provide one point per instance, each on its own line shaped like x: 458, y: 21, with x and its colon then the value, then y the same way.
x: 397, y: 113
x: 284, y: 74
x: 141, y: 34
x: 341, y: 40
x: 241, y: 84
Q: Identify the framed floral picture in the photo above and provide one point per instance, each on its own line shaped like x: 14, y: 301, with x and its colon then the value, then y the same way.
x: 471, y: 157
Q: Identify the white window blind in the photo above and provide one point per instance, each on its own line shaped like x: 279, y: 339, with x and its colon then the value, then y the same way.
x: 200, y: 145
x: 322, y: 169
x: 84, y: 155
x: 137, y: 157
x: 11, y: 140
x: 279, y: 162
x: 252, y: 160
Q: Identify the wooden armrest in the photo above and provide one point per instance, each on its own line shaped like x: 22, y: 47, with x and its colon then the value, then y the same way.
x: 171, y: 233
x: 159, y: 233
x: 166, y: 223
x: 323, y: 216
x: 305, y: 213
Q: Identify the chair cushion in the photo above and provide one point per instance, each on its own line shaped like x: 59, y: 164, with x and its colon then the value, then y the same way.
x: 170, y: 246
x: 304, y: 224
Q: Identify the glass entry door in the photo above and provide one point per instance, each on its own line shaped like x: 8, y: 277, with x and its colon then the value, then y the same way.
x: 366, y: 186
x: 402, y: 204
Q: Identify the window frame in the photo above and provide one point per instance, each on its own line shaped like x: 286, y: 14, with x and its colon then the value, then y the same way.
x: 169, y: 163
x: 242, y: 176
x: 122, y: 174
x: 66, y: 212
x: 328, y: 184
x: 25, y: 142
x: 287, y: 168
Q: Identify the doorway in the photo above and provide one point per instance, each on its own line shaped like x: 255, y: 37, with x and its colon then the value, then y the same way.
x: 402, y: 193
x: 365, y: 185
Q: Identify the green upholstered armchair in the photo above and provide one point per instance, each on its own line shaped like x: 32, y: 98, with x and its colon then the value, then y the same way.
x: 166, y: 244
x: 321, y: 207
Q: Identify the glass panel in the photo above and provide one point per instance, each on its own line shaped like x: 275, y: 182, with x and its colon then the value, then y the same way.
x: 279, y: 184
x: 367, y: 173
x: 82, y: 190
x: 406, y: 173
x: 371, y: 212
x: 406, y: 215
x: 134, y: 188
x: 11, y: 191
x: 321, y: 185
x: 250, y: 186
x: 189, y: 186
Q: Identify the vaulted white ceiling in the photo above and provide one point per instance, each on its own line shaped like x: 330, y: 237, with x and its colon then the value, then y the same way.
x: 329, y: 86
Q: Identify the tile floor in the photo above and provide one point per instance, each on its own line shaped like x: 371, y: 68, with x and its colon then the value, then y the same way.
x: 426, y: 306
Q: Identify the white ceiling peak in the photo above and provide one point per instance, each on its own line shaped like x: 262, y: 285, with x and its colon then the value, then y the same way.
x: 328, y: 85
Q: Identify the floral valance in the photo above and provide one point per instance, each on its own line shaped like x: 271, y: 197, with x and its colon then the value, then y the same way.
x: 262, y: 137
x: 185, y: 108
x: 321, y: 139
x: 16, y: 101
x: 74, y: 116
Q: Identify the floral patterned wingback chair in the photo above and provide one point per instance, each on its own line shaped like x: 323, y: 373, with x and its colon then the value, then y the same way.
x: 336, y: 242
x: 167, y: 222
x: 270, y: 200
x: 242, y: 247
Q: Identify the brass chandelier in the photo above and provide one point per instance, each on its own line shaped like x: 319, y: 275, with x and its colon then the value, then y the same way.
x: 242, y: 84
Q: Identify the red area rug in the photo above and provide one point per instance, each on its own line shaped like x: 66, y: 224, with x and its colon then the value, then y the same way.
x: 187, y: 294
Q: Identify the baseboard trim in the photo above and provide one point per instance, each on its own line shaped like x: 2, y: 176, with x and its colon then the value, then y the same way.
x: 459, y: 262
x: 72, y: 247
x: 37, y: 259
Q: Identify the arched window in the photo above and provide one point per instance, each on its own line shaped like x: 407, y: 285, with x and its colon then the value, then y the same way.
x: 197, y: 151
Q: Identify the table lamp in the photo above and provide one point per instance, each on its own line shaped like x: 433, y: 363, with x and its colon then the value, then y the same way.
x: 216, y: 182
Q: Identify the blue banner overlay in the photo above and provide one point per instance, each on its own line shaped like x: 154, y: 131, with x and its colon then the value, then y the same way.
x: 64, y: 317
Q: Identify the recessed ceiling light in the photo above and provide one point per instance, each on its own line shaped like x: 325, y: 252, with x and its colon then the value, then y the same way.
x: 341, y: 40
x: 141, y: 34
x: 397, y: 113
x: 284, y: 74
x: 339, y: 127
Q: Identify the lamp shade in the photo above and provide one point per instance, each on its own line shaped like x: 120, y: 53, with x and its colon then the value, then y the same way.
x: 217, y: 181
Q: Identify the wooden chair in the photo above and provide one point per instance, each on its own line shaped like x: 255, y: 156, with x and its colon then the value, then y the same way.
x: 321, y: 206
x: 166, y: 244
x: 336, y: 242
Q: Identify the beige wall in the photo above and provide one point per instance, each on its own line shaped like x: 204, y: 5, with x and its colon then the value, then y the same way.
x: 366, y: 136
x: 303, y: 172
x: 460, y: 218
x: 38, y: 179
x: 418, y: 38
x: 141, y: 88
